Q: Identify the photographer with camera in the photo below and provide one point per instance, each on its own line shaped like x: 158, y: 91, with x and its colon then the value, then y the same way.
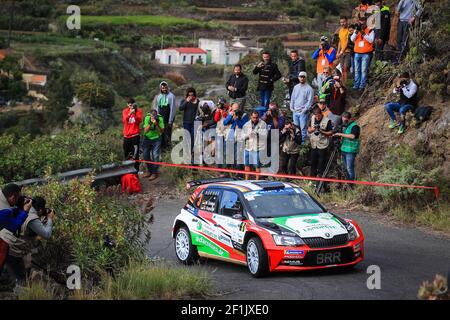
x: 335, y: 96
x: 131, y: 119
x: 408, y: 91
x: 363, y: 37
x: 220, y: 114
x: 291, y: 141
x: 320, y: 132
x: 165, y: 105
x: 234, y: 123
x: 237, y: 86
x: 38, y: 225
x: 325, y: 56
x: 11, y: 217
x: 254, y: 134
x: 268, y: 74
x: 350, y: 143
x: 153, y: 132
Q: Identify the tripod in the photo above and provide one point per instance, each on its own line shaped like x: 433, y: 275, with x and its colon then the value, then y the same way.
x: 335, y: 154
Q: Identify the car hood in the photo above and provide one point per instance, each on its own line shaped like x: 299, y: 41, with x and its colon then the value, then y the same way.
x: 323, y: 225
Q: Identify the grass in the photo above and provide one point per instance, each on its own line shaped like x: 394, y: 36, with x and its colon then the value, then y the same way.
x: 147, y: 21
x: 37, y: 290
x: 157, y: 281
x: 63, y: 41
x: 434, y: 215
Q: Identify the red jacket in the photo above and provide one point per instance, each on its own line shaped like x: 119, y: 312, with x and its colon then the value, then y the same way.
x: 131, y: 122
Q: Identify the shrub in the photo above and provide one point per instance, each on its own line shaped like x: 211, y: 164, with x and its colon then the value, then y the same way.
x: 404, y: 166
x: 84, y: 218
x: 77, y: 147
x: 175, y: 77
x: 95, y: 95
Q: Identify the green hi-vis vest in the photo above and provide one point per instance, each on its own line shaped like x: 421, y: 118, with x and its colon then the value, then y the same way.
x: 350, y: 145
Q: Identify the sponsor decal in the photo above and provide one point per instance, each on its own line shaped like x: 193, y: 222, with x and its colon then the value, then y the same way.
x: 242, y: 227
x: 311, y: 221
x: 300, y: 252
x: 199, y: 225
x: 320, y: 227
x: 201, y: 240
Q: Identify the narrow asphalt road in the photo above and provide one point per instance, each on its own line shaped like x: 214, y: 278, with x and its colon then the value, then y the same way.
x: 406, y: 257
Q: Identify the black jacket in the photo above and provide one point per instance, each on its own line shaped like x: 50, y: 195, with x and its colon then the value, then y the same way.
x: 268, y: 74
x: 190, y: 110
x: 385, y: 25
x: 294, y: 69
x: 241, y: 84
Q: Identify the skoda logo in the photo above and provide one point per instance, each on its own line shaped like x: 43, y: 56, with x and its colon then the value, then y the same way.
x: 327, y: 235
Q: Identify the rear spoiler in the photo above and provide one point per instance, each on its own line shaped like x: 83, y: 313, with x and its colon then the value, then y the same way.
x: 196, y: 183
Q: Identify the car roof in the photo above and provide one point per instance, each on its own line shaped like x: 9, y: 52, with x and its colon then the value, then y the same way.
x: 245, y: 186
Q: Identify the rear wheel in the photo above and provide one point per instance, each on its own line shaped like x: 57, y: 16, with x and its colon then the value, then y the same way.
x: 185, y: 251
x: 257, y: 261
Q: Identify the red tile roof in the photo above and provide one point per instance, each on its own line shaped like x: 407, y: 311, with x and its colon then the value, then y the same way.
x: 187, y: 50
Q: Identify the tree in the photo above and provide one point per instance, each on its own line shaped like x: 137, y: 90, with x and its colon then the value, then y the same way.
x: 95, y: 95
x: 276, y: 49
x: 11, y: 85
x: 60, y: 95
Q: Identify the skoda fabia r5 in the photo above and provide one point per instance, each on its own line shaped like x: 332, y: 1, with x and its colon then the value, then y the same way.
x: 267, y: 226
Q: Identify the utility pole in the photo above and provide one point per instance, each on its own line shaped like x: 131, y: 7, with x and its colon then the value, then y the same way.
x: 11, y: 18
x: 162, y: 41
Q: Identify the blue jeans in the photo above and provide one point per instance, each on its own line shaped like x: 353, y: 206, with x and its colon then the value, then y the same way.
x: 301, y: 121
x: 265, y: 97
x: 152, y: 152
x: 189, y: 127
x: 393, y: 107
x: 261, y: 110
x: 362, y: 62
x: 348, y: 160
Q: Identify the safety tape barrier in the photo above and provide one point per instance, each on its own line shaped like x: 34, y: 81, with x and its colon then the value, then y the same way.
x: 435, y: 189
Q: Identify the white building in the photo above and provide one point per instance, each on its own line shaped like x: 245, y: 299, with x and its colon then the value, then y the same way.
x: 223, y: 52
x: 180, y: 56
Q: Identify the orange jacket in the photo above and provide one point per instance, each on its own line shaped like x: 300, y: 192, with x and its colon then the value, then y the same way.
x: 361, y: 44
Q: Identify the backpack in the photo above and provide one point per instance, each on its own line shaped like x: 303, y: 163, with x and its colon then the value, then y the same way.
x: 131, y: 184
x: 423, y: 113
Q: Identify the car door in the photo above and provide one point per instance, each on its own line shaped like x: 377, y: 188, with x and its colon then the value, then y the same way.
x: 230, y: 224
x: 205, y: 235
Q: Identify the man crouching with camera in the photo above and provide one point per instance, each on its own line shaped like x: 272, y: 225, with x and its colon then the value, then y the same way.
x: 38, y: 225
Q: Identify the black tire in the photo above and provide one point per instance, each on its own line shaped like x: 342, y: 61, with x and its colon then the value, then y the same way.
x: 192, y: 253
x: 262, y: 268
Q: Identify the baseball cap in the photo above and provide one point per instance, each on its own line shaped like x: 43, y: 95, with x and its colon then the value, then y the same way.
x: 302, y: 74
x: 323, y: 39
x: 322, y: 100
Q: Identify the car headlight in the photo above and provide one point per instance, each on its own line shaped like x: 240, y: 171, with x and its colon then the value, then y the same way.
x: 287, y: 240
x: 352, y: 233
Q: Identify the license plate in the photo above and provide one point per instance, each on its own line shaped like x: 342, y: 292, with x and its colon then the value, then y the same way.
x: 328, y: 257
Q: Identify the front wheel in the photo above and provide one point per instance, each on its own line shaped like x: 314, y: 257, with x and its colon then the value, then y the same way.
x: 185, y: 251
x: 257, y: 261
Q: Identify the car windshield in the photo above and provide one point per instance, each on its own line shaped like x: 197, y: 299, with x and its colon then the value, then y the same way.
x: 280, y: 203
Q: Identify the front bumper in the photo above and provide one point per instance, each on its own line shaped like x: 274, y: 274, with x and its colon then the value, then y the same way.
x: 305, y: 258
